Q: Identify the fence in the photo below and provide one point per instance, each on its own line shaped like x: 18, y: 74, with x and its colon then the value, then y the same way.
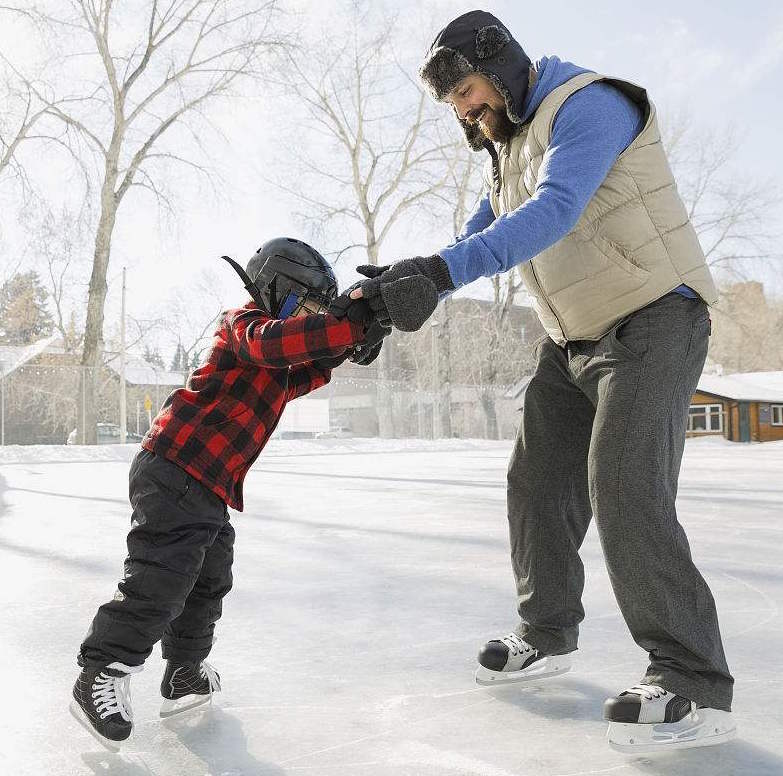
x: 39, y: 404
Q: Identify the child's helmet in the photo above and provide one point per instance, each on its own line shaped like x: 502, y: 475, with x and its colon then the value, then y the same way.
x: 286, y: 275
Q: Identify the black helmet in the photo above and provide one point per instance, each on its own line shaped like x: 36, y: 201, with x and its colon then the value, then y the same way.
x: 286, y: 275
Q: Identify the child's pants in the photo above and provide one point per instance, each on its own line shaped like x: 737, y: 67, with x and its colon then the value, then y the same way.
x: 180, y: 550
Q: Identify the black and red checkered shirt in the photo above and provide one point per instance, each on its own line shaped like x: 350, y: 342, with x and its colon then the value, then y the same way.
x: 215, y: 427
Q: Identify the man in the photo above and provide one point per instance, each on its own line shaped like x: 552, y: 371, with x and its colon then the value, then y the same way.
x: 579, y: 196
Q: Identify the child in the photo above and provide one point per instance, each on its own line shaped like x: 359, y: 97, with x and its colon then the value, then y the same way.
x: 191, y: 467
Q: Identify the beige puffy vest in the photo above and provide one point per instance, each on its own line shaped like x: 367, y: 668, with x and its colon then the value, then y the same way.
x: 632, y: 244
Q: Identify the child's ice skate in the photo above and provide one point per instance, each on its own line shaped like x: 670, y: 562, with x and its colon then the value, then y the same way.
x: 646, y: 719
x: 187, y: 685
x: 102, y: 703
x: 511, y: 659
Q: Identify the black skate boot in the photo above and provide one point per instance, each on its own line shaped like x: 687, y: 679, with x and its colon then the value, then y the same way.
x: 512, y: 659
x: 102, y: 703
x: 646, y: 718
x: 187, y: 685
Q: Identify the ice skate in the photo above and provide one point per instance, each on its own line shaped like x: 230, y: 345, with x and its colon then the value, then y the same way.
x: 187, y: 685
x: 102, y: 703
x: 511, y: 659
x: 646, y: 719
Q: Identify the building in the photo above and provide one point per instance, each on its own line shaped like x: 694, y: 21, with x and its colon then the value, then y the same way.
x: 743, y: 407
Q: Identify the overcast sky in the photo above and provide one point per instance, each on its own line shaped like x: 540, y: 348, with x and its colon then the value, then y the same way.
x: 723, y: 61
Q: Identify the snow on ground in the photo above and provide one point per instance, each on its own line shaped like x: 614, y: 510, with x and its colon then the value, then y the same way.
x: 367, y: 575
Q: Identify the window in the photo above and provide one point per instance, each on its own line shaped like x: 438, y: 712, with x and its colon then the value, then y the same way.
x: 706, y: 418
x: 777, y: 414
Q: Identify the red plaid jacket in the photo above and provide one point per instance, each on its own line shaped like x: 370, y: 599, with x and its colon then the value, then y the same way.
x: 215, y: 427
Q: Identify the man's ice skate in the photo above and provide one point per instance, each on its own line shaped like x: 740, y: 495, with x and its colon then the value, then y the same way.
x: 511, y: 659
x: 646, y: 719
x: 187, y: 685
x: 102, y: 703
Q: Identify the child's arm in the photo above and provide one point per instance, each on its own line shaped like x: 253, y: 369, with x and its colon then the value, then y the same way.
x: 259, y: 340
x: 306, y: 378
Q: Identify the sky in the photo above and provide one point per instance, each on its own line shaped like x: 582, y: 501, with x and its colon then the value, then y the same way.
x: 722, y: 62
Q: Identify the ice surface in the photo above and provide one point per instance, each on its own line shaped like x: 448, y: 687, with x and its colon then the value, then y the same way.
x: 367, y: 575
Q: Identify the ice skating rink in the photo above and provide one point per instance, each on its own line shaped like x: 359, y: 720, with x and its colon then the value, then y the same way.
x: 367, y: 575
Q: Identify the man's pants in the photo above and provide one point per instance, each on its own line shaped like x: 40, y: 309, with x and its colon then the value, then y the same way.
x: 180, y: 551
x: 602, y: 434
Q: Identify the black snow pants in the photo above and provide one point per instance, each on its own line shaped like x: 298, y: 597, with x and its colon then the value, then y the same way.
x: 178, y: 569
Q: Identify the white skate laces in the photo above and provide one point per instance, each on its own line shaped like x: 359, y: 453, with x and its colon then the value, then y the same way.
x: 111, y: 694
x: 209, y: 673
x: 516, y: 646
x: 647, y: 691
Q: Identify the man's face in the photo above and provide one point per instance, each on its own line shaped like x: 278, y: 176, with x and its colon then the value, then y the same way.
x: 477, y: 101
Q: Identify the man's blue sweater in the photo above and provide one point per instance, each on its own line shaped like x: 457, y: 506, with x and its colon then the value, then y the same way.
x: 592, y: 128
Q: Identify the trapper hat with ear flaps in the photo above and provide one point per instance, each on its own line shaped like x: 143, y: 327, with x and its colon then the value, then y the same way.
x: 478, y: 42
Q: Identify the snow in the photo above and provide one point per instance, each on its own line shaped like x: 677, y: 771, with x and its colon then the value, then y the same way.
x: 745, y: 386
x: 367, y: 575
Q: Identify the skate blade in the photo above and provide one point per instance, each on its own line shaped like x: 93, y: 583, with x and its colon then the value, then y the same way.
x: 171, y: 708
x: 551, y: 665
x: 77, y: 712
x: 704, y: 727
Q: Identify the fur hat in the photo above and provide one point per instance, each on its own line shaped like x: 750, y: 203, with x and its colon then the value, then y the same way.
x: 477, y: 42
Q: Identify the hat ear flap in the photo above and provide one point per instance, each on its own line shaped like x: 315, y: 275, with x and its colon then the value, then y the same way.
x: 490, y: 40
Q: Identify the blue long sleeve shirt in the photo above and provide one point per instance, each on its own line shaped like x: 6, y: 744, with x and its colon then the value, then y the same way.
x: 592, y: 128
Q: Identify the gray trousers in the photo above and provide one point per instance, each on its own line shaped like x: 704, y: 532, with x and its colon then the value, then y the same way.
x: 602, y: 434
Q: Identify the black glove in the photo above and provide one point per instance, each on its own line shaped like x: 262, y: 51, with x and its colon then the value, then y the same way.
x: 366, y: 352
x: 405, y: 294
x: 355, y: 310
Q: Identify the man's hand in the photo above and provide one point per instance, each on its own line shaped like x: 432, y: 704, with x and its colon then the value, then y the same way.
x: 404, y: 294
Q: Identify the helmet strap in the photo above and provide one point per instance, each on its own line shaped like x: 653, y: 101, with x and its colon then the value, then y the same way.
x: 251, y: 287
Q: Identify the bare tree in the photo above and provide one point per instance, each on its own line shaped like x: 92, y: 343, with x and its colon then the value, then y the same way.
x: 730, y: 212
x: 153, y: 70
x: 379, y: 156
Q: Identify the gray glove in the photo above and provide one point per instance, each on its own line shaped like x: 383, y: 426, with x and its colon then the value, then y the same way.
x: 405, y: 294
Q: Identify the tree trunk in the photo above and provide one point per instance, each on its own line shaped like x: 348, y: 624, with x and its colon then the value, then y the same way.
x: 444, y: 367
x: 93, y: 327
x: 490, y: 415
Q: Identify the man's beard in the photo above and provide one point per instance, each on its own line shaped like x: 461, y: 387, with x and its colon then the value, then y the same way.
x: 496, y: 124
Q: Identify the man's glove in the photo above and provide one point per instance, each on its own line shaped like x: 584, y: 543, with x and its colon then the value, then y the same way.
x: 405, y: 294
x: 432, y: 267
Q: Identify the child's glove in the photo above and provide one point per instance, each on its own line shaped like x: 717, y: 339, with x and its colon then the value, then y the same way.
x: 365, y: 353
x: 355, y: 310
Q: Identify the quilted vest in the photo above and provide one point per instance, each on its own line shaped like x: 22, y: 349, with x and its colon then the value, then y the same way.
x: 633, y: 243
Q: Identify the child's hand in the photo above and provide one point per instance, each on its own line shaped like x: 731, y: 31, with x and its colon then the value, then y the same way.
x: 355, y: 310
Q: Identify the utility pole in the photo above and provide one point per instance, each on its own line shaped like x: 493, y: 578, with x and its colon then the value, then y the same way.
x: 436, y: 433
x: 123, y: 397
x: 2, y: 405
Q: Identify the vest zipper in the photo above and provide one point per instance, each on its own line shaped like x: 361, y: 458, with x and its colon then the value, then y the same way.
x: 546, y: 299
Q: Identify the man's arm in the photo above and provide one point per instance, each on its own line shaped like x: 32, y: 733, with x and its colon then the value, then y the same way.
x: 479, y: 219
x: 291, y: 341
x: 593, y: 127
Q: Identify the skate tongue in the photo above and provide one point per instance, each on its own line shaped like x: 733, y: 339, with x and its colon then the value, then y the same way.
x: 120, y: 669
